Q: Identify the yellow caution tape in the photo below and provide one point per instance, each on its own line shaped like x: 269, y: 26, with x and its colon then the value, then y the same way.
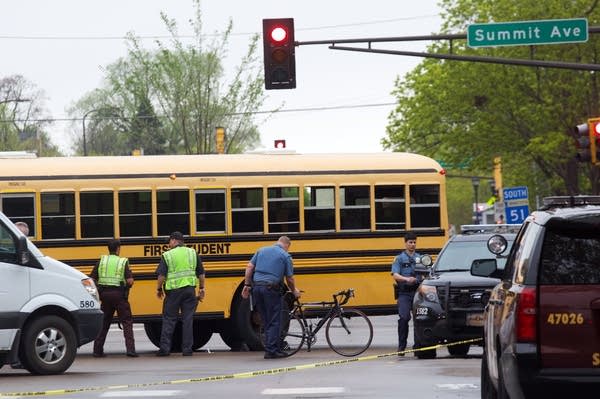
x: 247, y: 374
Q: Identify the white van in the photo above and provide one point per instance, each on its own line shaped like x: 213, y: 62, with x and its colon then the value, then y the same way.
x: 47, y: 309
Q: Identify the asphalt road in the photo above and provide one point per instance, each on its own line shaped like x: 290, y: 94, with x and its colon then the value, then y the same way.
x: 217, y: 372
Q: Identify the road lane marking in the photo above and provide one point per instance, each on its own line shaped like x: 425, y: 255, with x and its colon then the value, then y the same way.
x: 303, y: 391
x: 140, y: 394
x: 455, y: 387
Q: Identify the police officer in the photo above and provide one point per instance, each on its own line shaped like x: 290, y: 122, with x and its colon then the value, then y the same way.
x: 114, y: 278
x: 403, y: 272
x: 264, y: 273
x: 179, y: 271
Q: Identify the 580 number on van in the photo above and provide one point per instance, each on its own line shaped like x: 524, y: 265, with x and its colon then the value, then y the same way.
x: 87, y: 304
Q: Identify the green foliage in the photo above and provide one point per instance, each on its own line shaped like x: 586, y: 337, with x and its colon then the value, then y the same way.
x: 456, y: 111
x: 170, y: 100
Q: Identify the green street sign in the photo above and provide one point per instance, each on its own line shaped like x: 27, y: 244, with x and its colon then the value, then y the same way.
x: 551, y: 31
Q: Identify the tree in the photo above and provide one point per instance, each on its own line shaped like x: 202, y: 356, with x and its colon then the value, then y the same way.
x: 22, y: 121
x: 172, y: 99
x: 462, y: 112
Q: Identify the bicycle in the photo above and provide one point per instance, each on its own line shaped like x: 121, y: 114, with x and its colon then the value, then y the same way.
x: 349, y: 332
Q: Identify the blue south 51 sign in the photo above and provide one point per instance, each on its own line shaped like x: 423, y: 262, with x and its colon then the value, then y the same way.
x: 516, y: 200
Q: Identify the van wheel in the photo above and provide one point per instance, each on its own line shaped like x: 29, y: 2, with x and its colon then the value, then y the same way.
x: 49, y: 345
x: 487, y: 388
x: 248, y: 324
x: 459, y: 350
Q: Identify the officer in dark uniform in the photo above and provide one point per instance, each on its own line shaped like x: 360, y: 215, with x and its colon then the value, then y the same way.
x: 179, y: 271
x: 403, y: 272
x: 264, y: 274
x: 114, y: 278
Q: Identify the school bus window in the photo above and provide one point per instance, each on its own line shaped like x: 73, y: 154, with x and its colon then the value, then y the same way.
x: 284, y: 209
x: 425, y: 205
x: 355, y: 212
x: 20, y: 208
x: 247, y: 210
x: 319, y: 208
x: 97, y: 214
x: 58, y: 215
x: 135, y: 213
x: 173, y: 211
x: 210, y: 211
x: 390, y: 207
x: 8, y: 249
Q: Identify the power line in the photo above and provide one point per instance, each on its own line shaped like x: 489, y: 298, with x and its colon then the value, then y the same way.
x: 307, y: 109
x: 156, y: 37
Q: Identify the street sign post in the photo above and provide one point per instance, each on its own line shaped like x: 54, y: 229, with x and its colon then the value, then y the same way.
x: 552, y: 31
x: 516, y: 204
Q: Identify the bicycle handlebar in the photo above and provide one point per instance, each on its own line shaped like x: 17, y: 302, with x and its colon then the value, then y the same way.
x: 345, y: 294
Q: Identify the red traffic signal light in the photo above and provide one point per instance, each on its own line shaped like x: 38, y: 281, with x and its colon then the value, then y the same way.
x: 587, y: 141
x: 278, y: 34
x: 594, y: 129
x: 279, y: 53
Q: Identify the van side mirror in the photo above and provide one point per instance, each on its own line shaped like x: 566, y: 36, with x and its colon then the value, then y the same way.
x: 22, y: 251
x: 484, y: 268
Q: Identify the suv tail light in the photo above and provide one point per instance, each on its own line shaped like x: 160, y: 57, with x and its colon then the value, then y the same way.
x: 526, y: 321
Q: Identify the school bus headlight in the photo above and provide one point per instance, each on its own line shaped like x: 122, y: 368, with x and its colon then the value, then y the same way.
x: 428, y: 292
x: 89, y: 285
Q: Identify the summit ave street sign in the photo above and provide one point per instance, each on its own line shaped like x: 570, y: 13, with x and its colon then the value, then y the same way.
x: 551, y: 31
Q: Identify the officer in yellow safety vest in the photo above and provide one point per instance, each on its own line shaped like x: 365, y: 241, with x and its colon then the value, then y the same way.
x: 114, y: 278
x: 179, y: 271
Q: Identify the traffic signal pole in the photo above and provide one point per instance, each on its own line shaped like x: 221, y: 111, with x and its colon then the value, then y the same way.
x: 338, y: 45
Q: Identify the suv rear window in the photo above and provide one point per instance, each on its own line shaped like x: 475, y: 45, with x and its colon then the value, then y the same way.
x: 571, y: 252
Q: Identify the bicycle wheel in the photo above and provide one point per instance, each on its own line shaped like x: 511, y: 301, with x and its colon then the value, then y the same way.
x: 293, y: 334
x: 349, y: 332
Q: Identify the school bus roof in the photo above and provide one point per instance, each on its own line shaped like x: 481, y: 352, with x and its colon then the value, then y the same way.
x: 215, y: 163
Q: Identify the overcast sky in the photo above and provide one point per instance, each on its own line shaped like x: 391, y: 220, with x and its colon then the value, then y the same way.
x: 62, y: 45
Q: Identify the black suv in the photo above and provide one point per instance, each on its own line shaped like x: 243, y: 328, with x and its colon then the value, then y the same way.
x: 448, y: 305
x: 542, y: 322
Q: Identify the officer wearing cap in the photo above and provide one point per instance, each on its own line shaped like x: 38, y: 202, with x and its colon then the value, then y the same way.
x: 403, y: 272
x: 114, y: 278
x: 179, y: 272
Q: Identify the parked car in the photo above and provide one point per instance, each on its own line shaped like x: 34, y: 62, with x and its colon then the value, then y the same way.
x: 448, y: 306
x: 542, y: 321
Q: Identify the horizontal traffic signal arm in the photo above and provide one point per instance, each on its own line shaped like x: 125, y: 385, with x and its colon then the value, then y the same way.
x: 335, y: 45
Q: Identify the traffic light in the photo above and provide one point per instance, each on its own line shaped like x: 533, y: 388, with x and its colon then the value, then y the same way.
x: 498, y: 177
x: 583, y: 142
x: 220, y: 139
x: 587, y: 140
x: 279, y: 53
x: 594, y: 129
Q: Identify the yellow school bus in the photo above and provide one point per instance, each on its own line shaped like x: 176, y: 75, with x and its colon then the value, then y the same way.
x: 346, y: 215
